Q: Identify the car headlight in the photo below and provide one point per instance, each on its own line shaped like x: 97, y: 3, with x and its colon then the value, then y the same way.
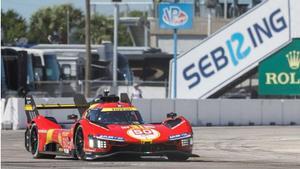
x: 101, y: 141
x: 101, y: 144
x: 91, y: 142
x: 97, y: 143
x: 187, y: 142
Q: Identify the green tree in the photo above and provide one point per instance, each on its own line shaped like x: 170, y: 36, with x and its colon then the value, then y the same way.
x: 136, y: 13
x: 102, y: 29
x: 13, y: 26
x: 54, y: 20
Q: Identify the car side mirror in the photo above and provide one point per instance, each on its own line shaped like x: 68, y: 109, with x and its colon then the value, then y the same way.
x: 171, y: 115
x: 72, y: 117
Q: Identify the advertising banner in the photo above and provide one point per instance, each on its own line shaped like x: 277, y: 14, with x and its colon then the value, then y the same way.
x: 234, y: 50
x: 279, y: 74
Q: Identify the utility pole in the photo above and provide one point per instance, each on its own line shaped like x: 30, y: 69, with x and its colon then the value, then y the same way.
x: 68, y: 25
x: 115, y: 50
x: 225, y: 9
x: 88, y: 49
x: 175, y: 61
x: 209, y: 22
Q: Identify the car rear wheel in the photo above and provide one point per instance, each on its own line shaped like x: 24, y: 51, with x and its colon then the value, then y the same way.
x: 27, y: 140
x: 34, y: 143
x: 79, y: 143
x: 177, y: 157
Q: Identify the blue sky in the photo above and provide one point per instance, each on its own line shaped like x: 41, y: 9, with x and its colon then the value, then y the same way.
x: 27, y: 7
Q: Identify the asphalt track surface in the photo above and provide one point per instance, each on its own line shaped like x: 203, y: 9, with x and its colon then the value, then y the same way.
x: 269, y: 147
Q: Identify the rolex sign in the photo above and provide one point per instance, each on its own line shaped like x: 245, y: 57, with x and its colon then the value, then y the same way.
x: 279, y: 74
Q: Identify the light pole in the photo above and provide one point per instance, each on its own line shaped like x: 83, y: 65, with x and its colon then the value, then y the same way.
x: 209, y: 22
x: 115, y: 50
x: 175, y: 64
x: 225, y: 9
x: 68, y: 25
x: 210, y: 4
x: 88, y: 49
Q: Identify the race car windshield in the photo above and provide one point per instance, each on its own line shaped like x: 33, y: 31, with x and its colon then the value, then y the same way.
x: 114, y: 117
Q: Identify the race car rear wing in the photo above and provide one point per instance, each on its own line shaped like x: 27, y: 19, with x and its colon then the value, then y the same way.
x: 31, y: 109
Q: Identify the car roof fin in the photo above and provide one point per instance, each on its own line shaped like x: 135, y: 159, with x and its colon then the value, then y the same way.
x: 79, y: 99
x: 125, y: 98
x: 30, y: 108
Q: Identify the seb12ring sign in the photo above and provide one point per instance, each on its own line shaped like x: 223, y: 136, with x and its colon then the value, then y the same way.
x: 175, y: 15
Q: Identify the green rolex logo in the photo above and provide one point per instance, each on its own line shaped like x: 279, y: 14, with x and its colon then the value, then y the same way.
x: 293, y: 58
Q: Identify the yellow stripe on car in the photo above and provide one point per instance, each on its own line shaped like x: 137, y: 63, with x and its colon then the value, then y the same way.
x: 93, y: 106
x: 49, y: 135
x: 28, y: 107
x: 119, y: 109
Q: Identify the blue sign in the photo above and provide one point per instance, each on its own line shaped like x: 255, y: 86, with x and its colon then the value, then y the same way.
x: 175, y: 15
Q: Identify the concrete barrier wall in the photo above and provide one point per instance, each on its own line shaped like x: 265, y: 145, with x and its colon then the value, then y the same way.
x: 2, y: 104
x: 291, y: 109
x: 223, y: 111
x: 199, y: 112
x: 188, y: 109
x: 160, y: 107
x: 209, y: 112
x: 272, y: 112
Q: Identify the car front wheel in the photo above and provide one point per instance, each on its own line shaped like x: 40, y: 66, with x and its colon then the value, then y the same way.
x: 79, y: 143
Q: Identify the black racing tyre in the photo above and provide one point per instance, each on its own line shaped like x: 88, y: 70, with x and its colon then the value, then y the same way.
x: 34, y: 144
x: 79, y: 143
x: 27, y: 139
x: 177, y: 157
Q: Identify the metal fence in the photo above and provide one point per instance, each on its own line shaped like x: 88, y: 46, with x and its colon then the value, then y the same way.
x: 67, y: 88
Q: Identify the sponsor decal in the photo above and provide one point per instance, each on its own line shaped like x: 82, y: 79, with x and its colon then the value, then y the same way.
x: 112, y: 138
x: 179, y: 136
x: 119, y: 109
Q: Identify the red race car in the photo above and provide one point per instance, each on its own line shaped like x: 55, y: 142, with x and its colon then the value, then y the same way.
x: 106, y: 127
